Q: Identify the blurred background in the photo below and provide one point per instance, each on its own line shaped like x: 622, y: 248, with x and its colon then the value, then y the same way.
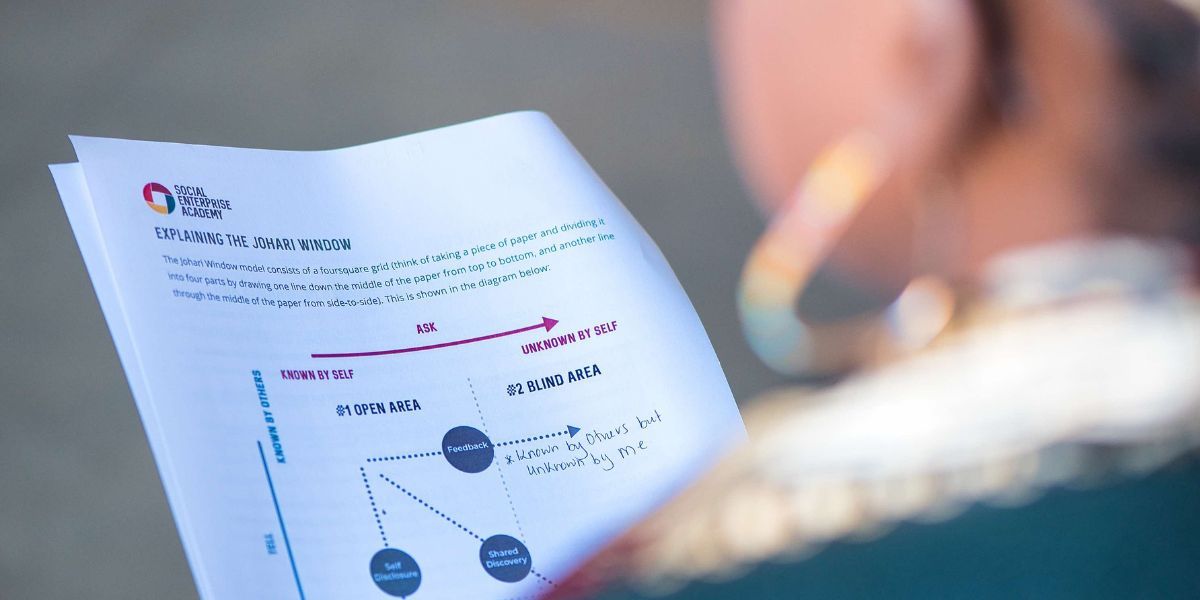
x: 82, y: 513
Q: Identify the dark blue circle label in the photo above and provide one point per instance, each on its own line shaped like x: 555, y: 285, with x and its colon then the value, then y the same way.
x: 395, y: 572
x: 468, y: 449
x: 505, y: 558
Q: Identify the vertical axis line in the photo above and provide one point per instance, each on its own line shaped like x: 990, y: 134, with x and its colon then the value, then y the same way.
x: 278, y: 513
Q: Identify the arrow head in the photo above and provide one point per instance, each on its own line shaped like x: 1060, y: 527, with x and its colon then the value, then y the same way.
x: 571, y: 429
x: 549, y: 323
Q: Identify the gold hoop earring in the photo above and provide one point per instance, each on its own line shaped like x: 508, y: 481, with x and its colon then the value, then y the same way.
x: 797, y: 241
x: 841, y: 180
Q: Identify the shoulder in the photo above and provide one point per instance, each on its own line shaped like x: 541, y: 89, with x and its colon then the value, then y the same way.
x: 1000, y: 414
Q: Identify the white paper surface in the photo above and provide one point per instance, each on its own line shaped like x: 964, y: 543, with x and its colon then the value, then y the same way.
x: 464, y: 362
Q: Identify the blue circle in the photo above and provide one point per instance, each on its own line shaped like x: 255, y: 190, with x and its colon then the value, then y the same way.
x: 505, y: 558
x: 468, y: 449
x: 395, y: 572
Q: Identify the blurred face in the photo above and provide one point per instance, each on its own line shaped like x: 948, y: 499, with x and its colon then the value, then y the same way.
x: 797, y: 75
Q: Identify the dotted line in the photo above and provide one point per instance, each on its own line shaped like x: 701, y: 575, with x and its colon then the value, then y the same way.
x: 532, y: 438
x: 482, y: 422
x: 504, y: 483
x: 404, y: 456
x: 374, y: 508
x: 435, y: 511
x: 542, y: 577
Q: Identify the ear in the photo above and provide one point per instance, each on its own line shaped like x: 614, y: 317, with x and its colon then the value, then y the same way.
x: 846, y: 233
x: 796, y: 75
x: 930, y: 101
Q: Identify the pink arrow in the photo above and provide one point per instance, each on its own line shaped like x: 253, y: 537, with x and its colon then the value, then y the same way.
x: 546, y: 323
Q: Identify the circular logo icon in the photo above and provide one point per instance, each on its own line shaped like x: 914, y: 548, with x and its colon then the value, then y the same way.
x: 395, y: 572
x: 505, y: 558
x: 468, y: 449
x: 158, y: 198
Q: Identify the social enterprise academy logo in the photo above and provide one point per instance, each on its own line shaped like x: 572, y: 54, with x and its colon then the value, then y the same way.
x: 158, y: 198
x: 192, y: 201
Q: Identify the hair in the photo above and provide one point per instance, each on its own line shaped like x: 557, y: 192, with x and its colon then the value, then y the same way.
x: 1158, y: 46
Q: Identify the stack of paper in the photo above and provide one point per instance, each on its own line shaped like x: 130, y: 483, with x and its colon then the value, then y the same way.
x: 443, y: 366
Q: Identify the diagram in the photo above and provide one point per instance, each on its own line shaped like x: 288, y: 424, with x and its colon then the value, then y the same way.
x: 446, y: 510
x: 502, y: 555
